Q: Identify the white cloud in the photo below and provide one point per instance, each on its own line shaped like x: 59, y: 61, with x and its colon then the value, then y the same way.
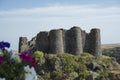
x: 63, y: 11
x: 46, y: 18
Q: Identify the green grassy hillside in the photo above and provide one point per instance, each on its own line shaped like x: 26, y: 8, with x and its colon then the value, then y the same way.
x: 69, y: 67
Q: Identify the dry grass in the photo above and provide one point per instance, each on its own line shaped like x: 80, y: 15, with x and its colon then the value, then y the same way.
x: 115, y: 71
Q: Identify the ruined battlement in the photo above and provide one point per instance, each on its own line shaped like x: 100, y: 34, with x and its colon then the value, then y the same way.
x: 74, y: 41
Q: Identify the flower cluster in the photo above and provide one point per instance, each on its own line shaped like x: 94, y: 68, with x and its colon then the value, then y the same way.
x: 13, y: 66
x: 2, y: 47
x: 4, y: 44
x: 27, y: 57
x: 1, y: 59
x: 30, y: 71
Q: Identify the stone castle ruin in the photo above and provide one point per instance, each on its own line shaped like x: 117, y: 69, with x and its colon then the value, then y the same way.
x: 74, y: 41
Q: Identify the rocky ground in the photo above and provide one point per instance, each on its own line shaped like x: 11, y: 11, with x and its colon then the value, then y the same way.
x: 85, y: 67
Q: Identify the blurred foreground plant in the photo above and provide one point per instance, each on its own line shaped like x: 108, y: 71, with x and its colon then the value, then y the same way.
x: 16, y: 66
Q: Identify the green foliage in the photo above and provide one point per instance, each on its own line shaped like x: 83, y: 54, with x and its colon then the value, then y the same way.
x: 10, y: 69
x: 73, y: 67
x: 103, y: 75
x: 107, y: 62
x: 46, y: 76
x: 57, y: 75
x: 112, y: 52
x: 86, y: 58
x: 73, y: 75
x: 38, y: 56
x: 69, y: 62
x: 81, y: 68
x: 83, y: 76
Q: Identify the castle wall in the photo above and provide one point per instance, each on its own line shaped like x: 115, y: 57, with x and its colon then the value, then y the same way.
x: 31, y: 43
x: 42, y: 42
x: 74, y: 41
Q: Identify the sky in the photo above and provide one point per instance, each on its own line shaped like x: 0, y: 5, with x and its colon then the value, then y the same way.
x: 29, y: 17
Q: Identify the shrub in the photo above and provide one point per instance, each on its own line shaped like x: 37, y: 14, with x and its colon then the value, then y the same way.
x: 69, y: 62
x: 103, y: 75
x: 38, y: 56
x: 73, y: 75
x: 46, y: 76
x: 57, y: 75
x: 83, y: 76
x: 86, y: 58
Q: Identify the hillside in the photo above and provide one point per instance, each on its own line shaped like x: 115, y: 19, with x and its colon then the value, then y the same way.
x: 112, y: 50
x: 85, y: 67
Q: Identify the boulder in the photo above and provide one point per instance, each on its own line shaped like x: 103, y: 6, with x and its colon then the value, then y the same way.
x: 94, y: 66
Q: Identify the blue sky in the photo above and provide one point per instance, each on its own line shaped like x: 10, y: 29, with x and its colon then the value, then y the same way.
x: 29, y: 17
x: 14, y: 4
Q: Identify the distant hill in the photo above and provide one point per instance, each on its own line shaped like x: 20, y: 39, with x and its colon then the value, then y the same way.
x: 112, y: 50
x: 108, y: 46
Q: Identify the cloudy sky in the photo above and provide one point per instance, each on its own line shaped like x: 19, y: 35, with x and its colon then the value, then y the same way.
x: 29, y: 17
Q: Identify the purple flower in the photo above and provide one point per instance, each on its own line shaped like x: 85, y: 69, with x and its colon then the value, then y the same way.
x: 1, y: 60
x: 4, y: 44
x: 27, y: 57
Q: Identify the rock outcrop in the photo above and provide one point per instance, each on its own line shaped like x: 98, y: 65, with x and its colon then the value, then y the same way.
x: 74, y: 41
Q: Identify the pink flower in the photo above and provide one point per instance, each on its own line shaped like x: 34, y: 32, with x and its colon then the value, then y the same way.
x: 1, y: 60
x: 27, y: 57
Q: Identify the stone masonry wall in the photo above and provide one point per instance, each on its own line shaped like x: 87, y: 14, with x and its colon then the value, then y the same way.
x: 42, y: 42
x: 23, y: 44
x: 74, y: 41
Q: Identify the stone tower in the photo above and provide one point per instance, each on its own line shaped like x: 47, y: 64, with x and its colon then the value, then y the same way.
x: 73, y: 41
x: 56, y: 41
x: 95, y: 42
x: 23, y: 44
